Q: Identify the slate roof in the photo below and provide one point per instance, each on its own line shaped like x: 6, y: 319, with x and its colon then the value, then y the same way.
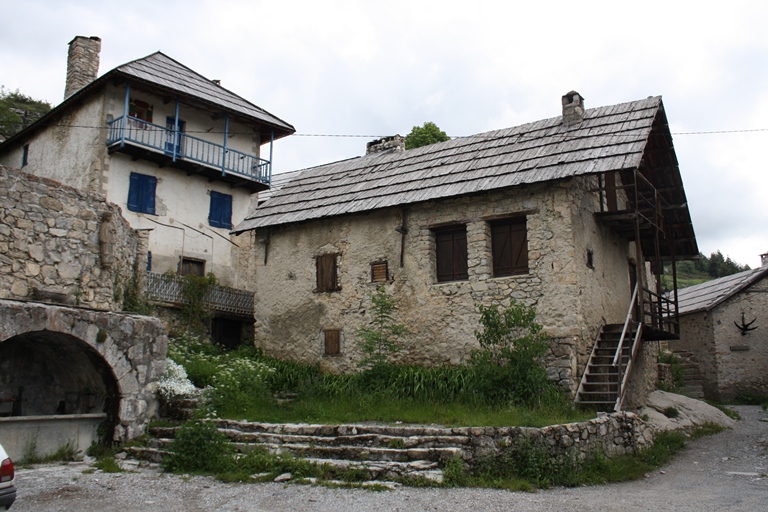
x: 609, y: 138
x: 160, y: 70
x: 706, y: 296
x: 167, y: 76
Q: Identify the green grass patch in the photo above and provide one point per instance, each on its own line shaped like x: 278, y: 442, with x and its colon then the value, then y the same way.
x: 108, y: 465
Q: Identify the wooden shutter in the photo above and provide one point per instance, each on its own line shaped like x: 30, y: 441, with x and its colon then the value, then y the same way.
x: 509, y: 241
x: 148, y: 194
x: 220, y: 213
x: 379, y: 272
x: 141, y: 193
x: 326, y: 273
x: 451, y: 254
x: 332, y: 342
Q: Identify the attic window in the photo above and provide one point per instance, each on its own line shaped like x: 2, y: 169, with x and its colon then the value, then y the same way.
x: 379, y: 272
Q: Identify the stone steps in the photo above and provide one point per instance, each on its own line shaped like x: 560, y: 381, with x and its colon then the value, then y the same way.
x: 693, y: 377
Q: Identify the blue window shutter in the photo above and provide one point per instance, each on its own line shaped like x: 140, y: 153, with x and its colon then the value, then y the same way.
x: 220, y: 213
x: 141, y: 193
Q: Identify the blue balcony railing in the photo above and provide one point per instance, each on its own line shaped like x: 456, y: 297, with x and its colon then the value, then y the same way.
x: 130, y: 130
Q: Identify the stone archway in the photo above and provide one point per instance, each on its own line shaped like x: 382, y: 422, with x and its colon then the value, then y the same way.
x: 74, y: 361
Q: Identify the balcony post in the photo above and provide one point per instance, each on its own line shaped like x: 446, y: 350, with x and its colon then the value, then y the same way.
x: 269, y: 167
x: 125, y: 113
x: 224, y: 154
x: 176, y: 139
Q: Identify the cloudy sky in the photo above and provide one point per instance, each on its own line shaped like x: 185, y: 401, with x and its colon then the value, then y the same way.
x: 336, y: 69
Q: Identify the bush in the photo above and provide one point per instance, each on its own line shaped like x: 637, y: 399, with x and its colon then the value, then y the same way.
x: 239, y: 386
x: 199, y: 448
x: 175, y: 383
x: 508, y: 365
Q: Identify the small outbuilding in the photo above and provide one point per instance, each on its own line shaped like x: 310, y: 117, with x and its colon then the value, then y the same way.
x: 722, y: 322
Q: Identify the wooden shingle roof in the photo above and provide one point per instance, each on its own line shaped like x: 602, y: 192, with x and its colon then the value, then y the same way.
x: 706, y: 296
x: 610, y: 138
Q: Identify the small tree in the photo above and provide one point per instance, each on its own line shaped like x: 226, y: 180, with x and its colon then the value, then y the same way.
x: 425, y: 135
x: 17, y: 111
x: 379, y: 340
x: 508, y: 365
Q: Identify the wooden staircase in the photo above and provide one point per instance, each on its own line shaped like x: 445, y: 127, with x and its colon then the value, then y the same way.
x: 606, y: 373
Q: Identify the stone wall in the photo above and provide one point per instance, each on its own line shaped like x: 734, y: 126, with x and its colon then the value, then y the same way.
x: 571, y: 298
x: 134, y: 348
x: 51, y: 248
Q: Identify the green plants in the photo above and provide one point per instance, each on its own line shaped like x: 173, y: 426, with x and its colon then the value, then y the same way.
x: 134, y: 300
x: 195, y: 291
x: 671, y: 412
x: 379, y: 341
x: 453, y: 472
x: 199, y: 448
x: 508, y: 367
x: 108, y: 465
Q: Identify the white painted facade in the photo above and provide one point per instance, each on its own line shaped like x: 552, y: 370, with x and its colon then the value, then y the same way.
x: 73, y: 151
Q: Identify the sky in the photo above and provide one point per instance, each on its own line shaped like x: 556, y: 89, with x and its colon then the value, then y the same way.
x: 345, y: 72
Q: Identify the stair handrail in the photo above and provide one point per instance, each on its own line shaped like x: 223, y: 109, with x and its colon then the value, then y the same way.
x: 627, y: 321
x: 623, y: 381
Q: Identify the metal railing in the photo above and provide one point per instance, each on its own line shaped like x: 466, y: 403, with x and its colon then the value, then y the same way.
x: 180, y: 146
x: 168, y: 288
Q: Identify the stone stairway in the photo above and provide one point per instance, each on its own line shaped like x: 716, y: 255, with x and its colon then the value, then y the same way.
x: 693, y: 378
x: 384, y: 452
x: 600, y: 385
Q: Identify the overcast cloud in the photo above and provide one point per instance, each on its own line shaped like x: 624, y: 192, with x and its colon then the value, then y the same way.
x: 379, y: 68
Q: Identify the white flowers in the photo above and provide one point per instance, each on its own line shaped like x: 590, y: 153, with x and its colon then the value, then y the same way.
x: 175, y: 383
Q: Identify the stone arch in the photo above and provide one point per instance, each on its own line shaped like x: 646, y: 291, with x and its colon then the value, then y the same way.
x: 108, y: 362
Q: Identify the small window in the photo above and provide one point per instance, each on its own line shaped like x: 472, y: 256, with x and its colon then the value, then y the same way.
x: 379, y: 272
x: 192, y: 267
x: 220, y: 213
x: 141, y: 193
x: 139, y: 111
x: 149, y: 261
x: 326, y: 273
x: 590, y: 259
x: 451, y: 254
x: 25, y: 155
x: 332, y: 342
x: 510, y: 247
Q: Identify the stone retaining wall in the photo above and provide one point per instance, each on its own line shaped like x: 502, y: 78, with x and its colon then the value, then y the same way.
x: 51, y: 248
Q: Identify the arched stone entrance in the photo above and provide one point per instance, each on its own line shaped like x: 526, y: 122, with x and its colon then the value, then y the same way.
x: 62, y: 362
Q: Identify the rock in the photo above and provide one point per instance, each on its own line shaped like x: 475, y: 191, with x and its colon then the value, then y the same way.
x: 285, y: 477
x: 692, y: 413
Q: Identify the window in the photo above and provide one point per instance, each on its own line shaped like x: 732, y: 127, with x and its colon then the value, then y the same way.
x: 140, y: 111
x: 25, y: 155
x: 141, y: 193
x: 451, y: 254
x: 326, y: 273
x: 379, y: 272
x: 332, y: 342
x: 510, y: 247
x: 220, y: 214
x: 174, y: 139
x: 192, y: 267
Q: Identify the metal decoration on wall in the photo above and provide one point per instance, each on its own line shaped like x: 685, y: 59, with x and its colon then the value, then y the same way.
x: 745, y: 327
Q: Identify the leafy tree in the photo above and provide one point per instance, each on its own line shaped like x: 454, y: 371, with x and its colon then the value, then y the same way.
x: 17, y: 111
x: 508, y: 365
x: 425, y: 135
x: 379, y: 340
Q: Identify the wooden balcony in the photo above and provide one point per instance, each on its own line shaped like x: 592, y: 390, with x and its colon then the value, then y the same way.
x: 166, y: 147
x: 222, y: 299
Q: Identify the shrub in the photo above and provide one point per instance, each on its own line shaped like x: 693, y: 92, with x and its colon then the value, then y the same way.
x: 239, y: 385
x: 199, y: 448
x: 508, y: 365
x: 378, y: 342
x: 175, y: 383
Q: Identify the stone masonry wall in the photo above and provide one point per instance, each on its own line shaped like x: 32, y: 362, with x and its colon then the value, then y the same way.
x: 50, y: 245
x: 291, y: 317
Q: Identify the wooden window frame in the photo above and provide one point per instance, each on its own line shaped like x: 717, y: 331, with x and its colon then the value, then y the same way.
x: 327, y: 273
x: 194, y: 261
x: 509, y: 246
x: 332, y: 342
x: 451, y: 254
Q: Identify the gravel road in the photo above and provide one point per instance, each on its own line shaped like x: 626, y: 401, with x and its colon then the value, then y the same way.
x: 727, y: 471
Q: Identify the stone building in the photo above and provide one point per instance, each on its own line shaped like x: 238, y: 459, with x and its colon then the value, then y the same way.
x: 554, y: 214
x: 181, y: 155
x: 722, y: 323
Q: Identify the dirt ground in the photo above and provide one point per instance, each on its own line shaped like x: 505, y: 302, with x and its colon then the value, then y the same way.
x: 727, y: 471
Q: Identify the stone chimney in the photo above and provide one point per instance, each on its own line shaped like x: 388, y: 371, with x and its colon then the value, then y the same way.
x: 395, y: 142
x: 573, y: 109
x: 764, y: 259
x: 82, y: 63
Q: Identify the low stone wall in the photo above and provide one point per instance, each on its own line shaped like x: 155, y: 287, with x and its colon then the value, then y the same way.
x: 61, y: 245
x: 39, y: 436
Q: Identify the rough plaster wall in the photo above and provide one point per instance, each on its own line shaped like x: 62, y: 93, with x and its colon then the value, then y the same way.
x: 442, y: 316
x: 696, y: 336
x: 49, y: 239
x: 742, y: 361
x: 71, y: 151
